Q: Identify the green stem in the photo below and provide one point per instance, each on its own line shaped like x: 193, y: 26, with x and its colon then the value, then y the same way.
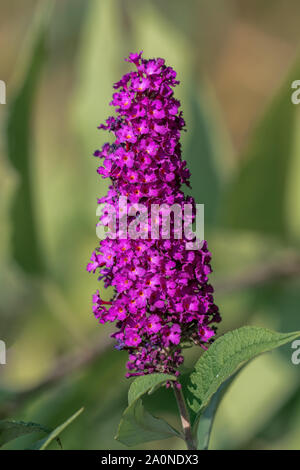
x: 185, y: 419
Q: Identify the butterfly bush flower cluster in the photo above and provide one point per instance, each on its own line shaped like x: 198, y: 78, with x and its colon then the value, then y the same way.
x: 162, y: 300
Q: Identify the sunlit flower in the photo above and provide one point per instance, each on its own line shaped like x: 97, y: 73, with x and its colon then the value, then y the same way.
x: 162, y: 298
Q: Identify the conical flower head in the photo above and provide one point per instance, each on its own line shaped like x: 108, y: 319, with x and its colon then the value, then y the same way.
x: 162, y: 299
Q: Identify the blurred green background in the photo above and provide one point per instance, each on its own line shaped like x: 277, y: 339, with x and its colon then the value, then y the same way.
x: 236, y: 61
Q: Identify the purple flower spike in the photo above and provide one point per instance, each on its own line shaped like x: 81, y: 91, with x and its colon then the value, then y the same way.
x: 162, y: 300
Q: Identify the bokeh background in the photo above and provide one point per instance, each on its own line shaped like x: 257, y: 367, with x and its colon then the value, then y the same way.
x: 236, y: 61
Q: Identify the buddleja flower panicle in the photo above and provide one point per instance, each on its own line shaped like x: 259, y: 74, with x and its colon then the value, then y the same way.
x: 162, y: 296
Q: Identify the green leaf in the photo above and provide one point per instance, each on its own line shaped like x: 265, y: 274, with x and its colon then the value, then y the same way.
x: 137, y: 424
x: 54, y: 435
x: 104, y: 43
x: 207, y: 151
x: 264, y: 193
x: 25, y: 238
x: 224, y: 357
x: 146, y: 384
x: 204, y: 422
x: 10, y: 430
